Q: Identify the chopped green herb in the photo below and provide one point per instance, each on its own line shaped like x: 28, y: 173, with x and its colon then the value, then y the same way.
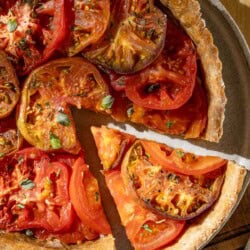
x: 28, y: 232
x: 170, y: 124
x: 27, y: 184
x: 107, y: 102
x: 54, y: 141
x: 2, y: 154
x: 147, y: 228
x: 179, y: 153
x: 130, y: 111
x: 12, y: 25
x: 21, y: 206
x: 96, y: 196
x: 22, y: 44
x: 147, y: 155
x: 152, y: 87
x: 63, y: 119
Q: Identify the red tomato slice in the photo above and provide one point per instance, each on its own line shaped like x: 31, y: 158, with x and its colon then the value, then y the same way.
x: 31, y: 35
x: 168, y: 83
x: 145, y: 229
x: 85, y: 197
x: 37, y: 196
x: 178, y: 161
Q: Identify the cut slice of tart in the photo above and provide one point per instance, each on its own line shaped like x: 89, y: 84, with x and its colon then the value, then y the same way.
x: 166, y: 198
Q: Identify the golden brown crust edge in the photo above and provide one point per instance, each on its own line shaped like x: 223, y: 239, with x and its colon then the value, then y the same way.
x: 17, y: 241
x: 189, y: 15
x: 203, y: 228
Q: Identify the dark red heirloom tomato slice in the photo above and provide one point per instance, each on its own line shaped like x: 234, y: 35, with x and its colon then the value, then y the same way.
x: 85, y: 197
x: 9, y: 86
x: 189, y: 120
x: 45, y: 118
x: 91, y: 21
x: 30, y: 31
x: 169, y: 82
x: 162, y: 189
x: 179, y: 161
x: 134, y: 38
x: 146, y: 230
x: 34, y: 191
x: 112, y: 145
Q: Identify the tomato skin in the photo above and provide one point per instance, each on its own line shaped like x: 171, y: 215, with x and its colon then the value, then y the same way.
x: 188, y: 164
x: 134, y: 217
x: 85, y: 198
x: 168, y: 83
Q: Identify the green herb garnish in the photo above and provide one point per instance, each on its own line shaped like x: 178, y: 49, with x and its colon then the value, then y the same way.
x: 107, y: 102
x: 27, y: 184
x: 12, y: 25
x: 147, y: 228
x: 180, y: 153
x: 170, y: 124
x: 54, y: 141
x: 63, y: 119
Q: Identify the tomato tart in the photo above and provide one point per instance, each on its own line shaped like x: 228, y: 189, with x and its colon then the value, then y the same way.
x: 166, y: 198
x: 152, y: 63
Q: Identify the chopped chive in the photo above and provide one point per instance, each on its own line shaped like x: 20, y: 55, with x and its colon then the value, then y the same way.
x: 170, y: 124
x: 107, y: 102
x: 27, y: 184
x: 12, y: 25
x: 21, y: 206
x: 63, y: 119
x: 179, y: 153
x: 147, y: 228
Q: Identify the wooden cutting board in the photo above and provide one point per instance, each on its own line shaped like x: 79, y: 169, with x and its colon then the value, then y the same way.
x: 236, y: 232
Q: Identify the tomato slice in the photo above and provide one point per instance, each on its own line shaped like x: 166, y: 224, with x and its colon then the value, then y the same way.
x: 178, y: 161
x: 145, y: 229
x: 30, y: 36
x: 9, y: 86
x: 35, y: 192
x: 85, y: 197
x: 112, y: 145
x: 169, y: 82
x: 45, y: 118
x: 10, y: 137
x: 91, y: 21
x: 189, y: 120
x: 134, y: 38
x: 165, y: 190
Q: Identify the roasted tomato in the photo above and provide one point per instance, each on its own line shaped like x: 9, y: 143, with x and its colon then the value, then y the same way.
x: 174, y: 195
x: 85, y: 197
x: 112, y: 145
x: 45, y: 119
x: 189, y: 120
x: 10, y: 137
x: 168, y: 83
x: 91, y: 21
x: 134, y: 38
x: 31, y: 31
x: 145, y: 229
x: 34, y: 192
x: 9, y: 86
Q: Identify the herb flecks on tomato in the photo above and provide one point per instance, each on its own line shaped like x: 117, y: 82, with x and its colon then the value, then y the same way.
x: 154, y: 171
x: 169, y: 81
x: 45, y: 119
x: 30, y: 35
x: 134, y: 38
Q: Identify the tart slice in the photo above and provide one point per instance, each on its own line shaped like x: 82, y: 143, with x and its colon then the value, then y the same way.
x: 166, y: 196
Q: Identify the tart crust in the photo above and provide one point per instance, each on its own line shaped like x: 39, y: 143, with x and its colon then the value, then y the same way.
x: 203, y: 228
x: 188, y: 13
x: 17, y: 241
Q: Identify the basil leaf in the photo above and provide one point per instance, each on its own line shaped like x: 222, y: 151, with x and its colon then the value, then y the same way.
x: 27, y: 184
x: 54, y: 141
x: 63, y: 119
x: 107, y: 102
x: 12, y: 25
